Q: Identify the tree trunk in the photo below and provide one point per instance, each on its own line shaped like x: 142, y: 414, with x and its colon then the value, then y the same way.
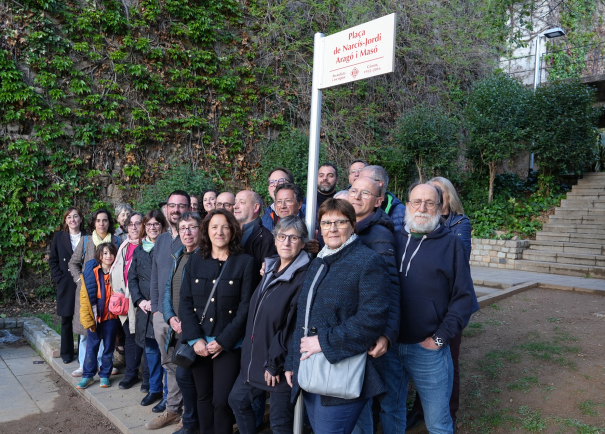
x: 418, y: 166
x: 492, y: 178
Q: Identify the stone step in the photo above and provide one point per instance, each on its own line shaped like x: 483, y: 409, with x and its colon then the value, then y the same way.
x: 597, y: 188
x: 581, y: 211
x: 574, y: 228
x: 585, y: 195
x: 562, y: 269
x: 564, y: 258
x: 586, y: 204
x: 567, y: 247
x: 570, y: 237
x: 577, y: 219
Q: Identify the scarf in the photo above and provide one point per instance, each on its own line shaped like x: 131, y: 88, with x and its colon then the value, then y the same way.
x: 326, y: 251
x: 147, y: 245
x: 97, y: 239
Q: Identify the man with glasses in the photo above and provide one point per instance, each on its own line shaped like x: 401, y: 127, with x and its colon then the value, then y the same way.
x: 390, y: 204
x: 226, y: 200
x: 354, y: 170
x: 178, y: 202
x: 278, y: 176
x: 289, y: 201
x: 257, y: 240
x: 436, y: 302
x: 375, y: 230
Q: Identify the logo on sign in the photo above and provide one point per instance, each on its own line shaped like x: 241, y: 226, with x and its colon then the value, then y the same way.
x: 354, y: 72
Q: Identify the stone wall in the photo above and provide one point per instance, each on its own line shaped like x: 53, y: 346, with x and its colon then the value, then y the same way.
x: 497, y: 253
x: 13, y: 325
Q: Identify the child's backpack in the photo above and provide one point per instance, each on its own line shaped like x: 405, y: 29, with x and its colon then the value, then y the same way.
x: 118, y: 304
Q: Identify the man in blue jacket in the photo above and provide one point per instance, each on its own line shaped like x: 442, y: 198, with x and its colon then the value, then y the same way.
x: 436, y: 302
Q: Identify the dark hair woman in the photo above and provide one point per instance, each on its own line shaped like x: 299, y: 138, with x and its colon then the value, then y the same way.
x: 139, y: 280
x: 217, y: 336
x: 63, y: 245
x: 350, y: 289
x: 100, y: 230
x: 271, y: 321
x: 208, y: 201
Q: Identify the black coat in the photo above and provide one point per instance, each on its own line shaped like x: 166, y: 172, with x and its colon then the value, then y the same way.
x: 260, y: 245
x: 271, y: 322
x: 60, y: 255
x: 226, y: 315
x: 376, y: 232
x: 349, y: 312
x: 139, y: 280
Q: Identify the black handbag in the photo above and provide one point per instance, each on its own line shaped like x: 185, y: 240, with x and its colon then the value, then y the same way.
x: 184, y: 354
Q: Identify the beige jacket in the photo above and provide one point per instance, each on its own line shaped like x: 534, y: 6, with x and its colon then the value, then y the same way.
x: 119, y: 285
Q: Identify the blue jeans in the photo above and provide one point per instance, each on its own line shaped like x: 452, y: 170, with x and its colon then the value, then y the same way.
x: 82, y: 351
x: 154, y: 362
x: 433, y: 375
x: 332, y: 419
x: 105, y: 332
x: 365, y: 423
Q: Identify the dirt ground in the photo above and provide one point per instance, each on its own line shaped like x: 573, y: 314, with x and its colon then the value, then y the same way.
x: 71, y: 414
x: 534, y: 362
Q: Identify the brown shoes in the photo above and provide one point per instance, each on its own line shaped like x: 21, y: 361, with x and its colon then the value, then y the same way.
x: 164, y: 419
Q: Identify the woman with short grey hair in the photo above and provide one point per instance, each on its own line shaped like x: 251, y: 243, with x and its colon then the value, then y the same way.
x: 269, y: 329
x: 123, y: 211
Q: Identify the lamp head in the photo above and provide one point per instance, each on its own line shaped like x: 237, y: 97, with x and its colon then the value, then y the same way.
x: 555, y: 32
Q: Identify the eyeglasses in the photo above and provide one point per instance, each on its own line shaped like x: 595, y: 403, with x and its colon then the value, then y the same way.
x: 153, y: 225
x: 175, y: 205
x: 224, y: 205
x: 430, y: 205
x: 134, y: 225
x: 340, y: 224
x: 355, y: 171
x: 287, y: 202
x: 282, y: 237
x: 190, y: 229
x: 276, y: 182
x: 365, y: 194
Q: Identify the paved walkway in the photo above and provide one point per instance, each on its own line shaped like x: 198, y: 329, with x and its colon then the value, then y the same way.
x: 497, y: 278
x: 25, y: 386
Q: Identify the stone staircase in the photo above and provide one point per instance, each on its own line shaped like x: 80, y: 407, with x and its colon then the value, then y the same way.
x: 573, y: 241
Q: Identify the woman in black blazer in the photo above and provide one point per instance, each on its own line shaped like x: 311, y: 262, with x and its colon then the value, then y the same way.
x: 216, y: 338
x: 63, y: 246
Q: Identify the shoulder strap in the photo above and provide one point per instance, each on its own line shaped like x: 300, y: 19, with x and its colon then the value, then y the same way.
x: 84, y: 251
x: 310, y: 298
x: 213, y: 290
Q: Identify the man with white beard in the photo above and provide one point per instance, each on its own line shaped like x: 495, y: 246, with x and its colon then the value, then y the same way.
x: 436, y: 304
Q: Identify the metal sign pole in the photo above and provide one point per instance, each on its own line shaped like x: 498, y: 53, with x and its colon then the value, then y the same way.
x: 314, y: 131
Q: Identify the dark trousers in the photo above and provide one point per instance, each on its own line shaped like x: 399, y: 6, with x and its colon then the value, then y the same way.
x: 332, y: 419
x: 105, y: 331
x: 184, y: 378
x: 455, y: 398
x: 214, y: 380
x: 67, y: 336
x: 133, y: 354
x: 244, y: 394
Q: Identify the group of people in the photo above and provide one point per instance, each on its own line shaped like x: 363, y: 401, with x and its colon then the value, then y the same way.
x: 252, y: 295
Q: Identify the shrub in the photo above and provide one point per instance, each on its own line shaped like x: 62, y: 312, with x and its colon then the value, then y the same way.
x: 177, y: 178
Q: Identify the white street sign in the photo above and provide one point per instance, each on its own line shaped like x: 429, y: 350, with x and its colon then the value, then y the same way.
x: 360, y: 52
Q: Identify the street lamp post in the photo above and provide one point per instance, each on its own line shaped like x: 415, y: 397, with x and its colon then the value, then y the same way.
x: 552, y: 33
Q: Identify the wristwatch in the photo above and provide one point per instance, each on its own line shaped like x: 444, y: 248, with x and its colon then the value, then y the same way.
x: 438, y: 341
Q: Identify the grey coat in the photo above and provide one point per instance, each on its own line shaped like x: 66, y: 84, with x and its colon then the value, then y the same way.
x: 161, y: 268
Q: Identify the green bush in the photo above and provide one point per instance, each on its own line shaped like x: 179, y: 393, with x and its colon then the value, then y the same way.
x: 177, y: 178
x: 563, y: 127
x: 290, y: 150
x: 426, y: 137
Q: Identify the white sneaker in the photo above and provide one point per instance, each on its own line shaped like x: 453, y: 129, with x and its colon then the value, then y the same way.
x: 114, y: 371
x: 78, y: 372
